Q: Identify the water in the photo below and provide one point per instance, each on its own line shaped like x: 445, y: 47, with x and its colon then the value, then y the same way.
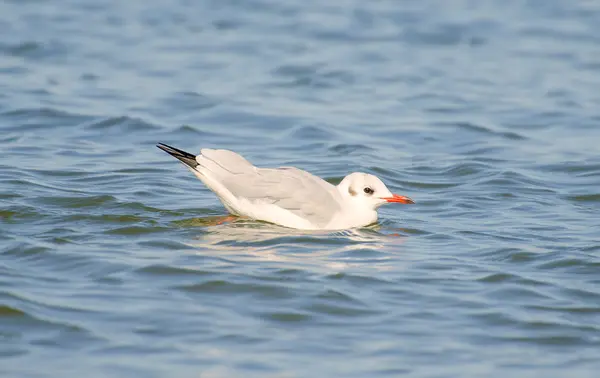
x: 485, y: 113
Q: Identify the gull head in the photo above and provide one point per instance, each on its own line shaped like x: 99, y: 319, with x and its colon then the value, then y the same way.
x: 368, y: 191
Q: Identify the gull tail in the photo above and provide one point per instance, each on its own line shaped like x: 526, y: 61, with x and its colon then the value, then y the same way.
x: 185, y: 157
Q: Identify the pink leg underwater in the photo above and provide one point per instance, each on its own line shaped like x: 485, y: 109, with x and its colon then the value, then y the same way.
x: 225, y: 219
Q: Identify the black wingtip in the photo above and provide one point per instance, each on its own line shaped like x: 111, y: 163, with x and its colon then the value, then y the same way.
x: 185, y: 157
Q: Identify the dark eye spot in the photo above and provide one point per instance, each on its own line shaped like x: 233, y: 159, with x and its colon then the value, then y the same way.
x: 369, y: 191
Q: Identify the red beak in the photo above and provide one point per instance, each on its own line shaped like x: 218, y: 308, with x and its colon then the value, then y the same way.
x: 399, y: 199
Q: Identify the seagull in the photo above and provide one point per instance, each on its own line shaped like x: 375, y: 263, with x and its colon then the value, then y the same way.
x: 287, y: 196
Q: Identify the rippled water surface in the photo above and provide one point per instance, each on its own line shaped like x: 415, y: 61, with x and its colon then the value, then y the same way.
x: 113, y: 260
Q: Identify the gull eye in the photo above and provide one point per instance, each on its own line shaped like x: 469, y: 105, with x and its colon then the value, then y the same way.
x: 368, y: 190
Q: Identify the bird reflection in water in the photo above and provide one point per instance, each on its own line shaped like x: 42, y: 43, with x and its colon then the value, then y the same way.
x: 243, y: 239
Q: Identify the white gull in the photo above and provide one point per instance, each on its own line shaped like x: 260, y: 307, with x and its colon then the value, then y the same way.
x: 288, y: 196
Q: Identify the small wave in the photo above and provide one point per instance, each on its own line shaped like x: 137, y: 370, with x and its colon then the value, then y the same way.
x: 227, y: 287
x: 358, y: 279
x: 105, y: 218
x: 189, y: 101
x: 576, y: 168
x: 8, y: 311
x: 310, y: 132
x: 168, y: 270
x: 41, y: 118
x: 72, y: 202
x: 122, y: 124
x: 36, y: 50
x: 136, y: 230
x: 585, y: 198
x: 349, y: 149
x: 311, y: 76
x: 194, y: 131
x: 468, y: 126
x: 285, y: 317
x: 19, y: 213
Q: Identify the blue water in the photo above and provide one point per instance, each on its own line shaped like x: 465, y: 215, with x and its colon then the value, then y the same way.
x: 487, y: 114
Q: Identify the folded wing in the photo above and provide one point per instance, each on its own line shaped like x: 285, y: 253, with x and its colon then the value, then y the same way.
x: 292, y: 189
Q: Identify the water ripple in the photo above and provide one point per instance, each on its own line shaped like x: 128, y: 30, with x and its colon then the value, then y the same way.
x: 112, y: 252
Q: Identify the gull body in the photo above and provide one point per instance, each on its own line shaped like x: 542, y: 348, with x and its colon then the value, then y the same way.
x: 287, y: 196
